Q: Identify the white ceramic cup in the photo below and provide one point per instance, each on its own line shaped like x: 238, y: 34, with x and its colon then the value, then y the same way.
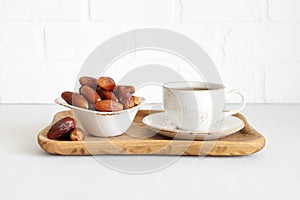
x: 197, y: 105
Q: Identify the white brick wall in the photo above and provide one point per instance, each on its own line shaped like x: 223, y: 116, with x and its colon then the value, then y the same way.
x: 41, y: 9
x: 287, y: 10
x: 267, y: 42
x: 76, y: 42
x: 254, y: 43
x: 19, y: 42
x: 282, y: 84
x: 132, y: 10
x: 221, y: 10
x: 27, y: 82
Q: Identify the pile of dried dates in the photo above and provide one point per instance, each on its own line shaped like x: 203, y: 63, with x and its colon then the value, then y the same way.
x: 102, y: 94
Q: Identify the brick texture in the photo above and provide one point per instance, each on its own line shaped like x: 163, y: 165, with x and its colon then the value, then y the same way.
x: 272, y: 42
x: 19, y: 42
x: 132, y: 10
x: 254, y: 44
x: 222, y: 10
x: 41, y: 9
x: 76, y: 42
x: 282, y: 84
x: 36, y: 82
x: 287, y: 10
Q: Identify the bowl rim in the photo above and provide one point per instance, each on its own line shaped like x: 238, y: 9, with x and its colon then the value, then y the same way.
x: 62, y: 102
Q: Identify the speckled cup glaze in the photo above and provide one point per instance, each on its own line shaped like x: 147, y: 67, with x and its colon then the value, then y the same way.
x: 190, y: 108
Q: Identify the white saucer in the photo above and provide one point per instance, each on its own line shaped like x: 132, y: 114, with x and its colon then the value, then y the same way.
x: 158, y: 122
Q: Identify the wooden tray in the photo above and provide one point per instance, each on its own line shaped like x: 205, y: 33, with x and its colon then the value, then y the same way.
x: 245, y: 142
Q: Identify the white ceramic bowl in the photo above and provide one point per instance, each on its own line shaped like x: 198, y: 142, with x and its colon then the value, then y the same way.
x: 104, y: 124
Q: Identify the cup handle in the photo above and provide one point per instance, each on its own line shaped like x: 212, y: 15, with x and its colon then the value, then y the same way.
x: 242, y: 104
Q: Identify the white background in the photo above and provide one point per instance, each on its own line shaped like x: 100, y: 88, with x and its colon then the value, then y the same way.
x: 254, y: 43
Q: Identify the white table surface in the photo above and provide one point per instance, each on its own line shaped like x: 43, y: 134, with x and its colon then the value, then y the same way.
x: 26, y: 172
